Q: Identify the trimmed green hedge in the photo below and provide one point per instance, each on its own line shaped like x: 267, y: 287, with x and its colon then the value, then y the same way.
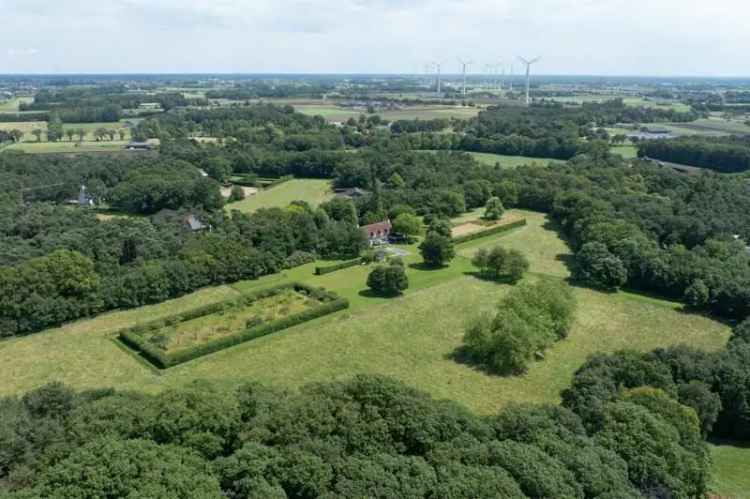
x: 489, y: 232
x: 134, y: 339
x: 339, y: 266
x: 274, y: 182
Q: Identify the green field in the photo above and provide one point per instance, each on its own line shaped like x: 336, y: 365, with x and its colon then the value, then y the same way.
x: 11, y: 105
x: 67, y: 147
x: 411, y: 338
x: 513, y: 161
x: 332, y: 112
x: 626, y: 151
x: 311, y: 190
x: 507, y: 161
x: 28, y: 126
x: 731, y: 470
x: 711, y: 127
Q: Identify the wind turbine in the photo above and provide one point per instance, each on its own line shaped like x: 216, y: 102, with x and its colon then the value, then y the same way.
x: 528, y: 64
x: 437, y: 65
x: 464, y: 66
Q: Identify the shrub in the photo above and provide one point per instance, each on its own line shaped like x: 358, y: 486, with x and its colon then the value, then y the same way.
x: 298, y: 258
x: 237, y: 194
x: 339, y: 266
x: 494, y: 209
x: 389, y: 281
x: 528, y: 320
x: 499, y: 262
x: 437, y: 249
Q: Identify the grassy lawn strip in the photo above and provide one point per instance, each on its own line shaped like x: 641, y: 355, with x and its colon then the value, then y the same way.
x: 731, y: 463
x: 203, y: 330
x: 313, y: 191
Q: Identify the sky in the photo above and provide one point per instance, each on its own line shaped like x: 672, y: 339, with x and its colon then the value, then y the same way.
x: 591, y: 37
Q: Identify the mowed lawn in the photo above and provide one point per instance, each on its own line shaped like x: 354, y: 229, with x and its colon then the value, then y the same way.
x: 68, y: 147
x: 626, y: 151
x: 513, y: 161
x: 313, y: 191
x: 505, y: 161
x: 731, y: 469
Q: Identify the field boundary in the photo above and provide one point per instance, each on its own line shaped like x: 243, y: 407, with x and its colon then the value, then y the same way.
x: 132, y: 336
x: 489, y: 232
x: 327, y: 269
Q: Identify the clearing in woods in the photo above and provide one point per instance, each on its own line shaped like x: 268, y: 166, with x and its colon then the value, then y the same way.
x: 314, y: 191
x: 411, y: 338
x: 332, y: 112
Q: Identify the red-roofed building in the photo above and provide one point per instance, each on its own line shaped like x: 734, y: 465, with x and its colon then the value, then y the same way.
x: 378, y: 233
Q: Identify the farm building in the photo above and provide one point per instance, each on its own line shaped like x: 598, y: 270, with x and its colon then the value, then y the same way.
x: 139, y: 146
x: 192, y: 222
x: 378, y: 233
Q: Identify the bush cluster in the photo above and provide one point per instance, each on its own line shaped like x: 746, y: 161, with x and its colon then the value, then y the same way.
x: 528, y: 320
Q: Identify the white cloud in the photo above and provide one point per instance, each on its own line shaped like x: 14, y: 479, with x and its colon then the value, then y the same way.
x: 574, y: 36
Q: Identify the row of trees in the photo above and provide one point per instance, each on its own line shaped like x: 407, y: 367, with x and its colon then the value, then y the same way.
x: 365, y: 437
x: 726, y: 155
x: 713, y: 384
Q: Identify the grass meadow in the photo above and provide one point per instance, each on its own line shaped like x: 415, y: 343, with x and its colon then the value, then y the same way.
x: 67, y: 147
x: 411, y: 338
x: 626, y: 151
x: 313, y: 191
x: 29, y: 126
x: 731, y: 462
x: 332, y: 112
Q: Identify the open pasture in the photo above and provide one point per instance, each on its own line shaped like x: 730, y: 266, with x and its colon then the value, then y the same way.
x: 68, y: 147
x: 513, y: 161
x: 332, y: 112
x: 12, y: 105
x: 313, y: 191
x: 411, y: 338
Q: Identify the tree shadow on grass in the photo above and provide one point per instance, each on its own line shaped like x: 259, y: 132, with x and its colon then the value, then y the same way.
x: 369, y: 293
x: 497, y: 280
x: 461, y: 355
x: 423, y: 266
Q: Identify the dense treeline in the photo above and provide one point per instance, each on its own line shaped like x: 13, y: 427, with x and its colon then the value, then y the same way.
x: 366, y: 437
x: 715, y: 384
x: 648, y: 228
x: 723, y: 154
x: 67, y: 264
x: 257, y: 90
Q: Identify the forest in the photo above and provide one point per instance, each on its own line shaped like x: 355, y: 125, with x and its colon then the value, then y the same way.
x: 722, y: 154
x: 631, y: 225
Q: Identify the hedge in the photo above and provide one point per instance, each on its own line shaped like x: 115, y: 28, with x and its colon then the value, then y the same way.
x: 274, y: 182
x: 489, y: 232
x: 134, y: 339
x: 339, y: 266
